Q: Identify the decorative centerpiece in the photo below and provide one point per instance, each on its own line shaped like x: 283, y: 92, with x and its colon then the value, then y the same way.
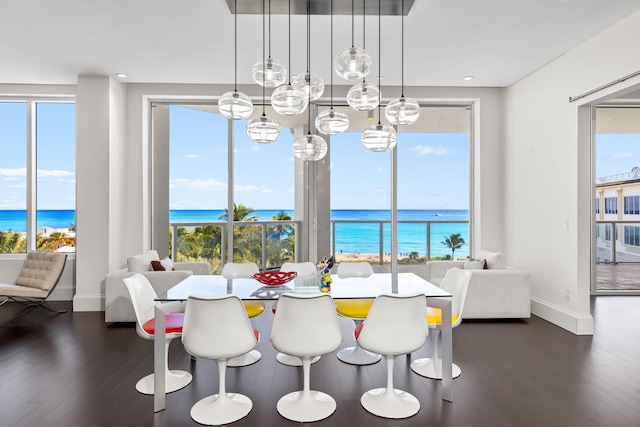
x: 324, y: 270
x: 275, y: 278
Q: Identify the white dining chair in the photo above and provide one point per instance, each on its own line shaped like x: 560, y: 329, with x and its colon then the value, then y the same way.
x: 218, y: 328
x: 233, y: 270
x: 304, y: 270
x: 318, y: 334
x: 143, y: 298
x: 395, y: 325
x: 456, y: 282
x: 357, y: 310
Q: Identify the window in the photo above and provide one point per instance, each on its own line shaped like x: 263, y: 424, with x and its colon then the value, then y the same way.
x: 607, y: 232
x: 632, y: 205
x: 632, y: 235
x: 40, y: 163
x: 597, y: 205
x: 610, y: 205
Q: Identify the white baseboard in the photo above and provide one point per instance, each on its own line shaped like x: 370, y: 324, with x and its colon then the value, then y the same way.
x: 88, y: 303
x: 577, y: 324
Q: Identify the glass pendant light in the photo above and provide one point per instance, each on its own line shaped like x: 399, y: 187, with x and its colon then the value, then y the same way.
x: 311, y: 83
x: 309, y: 147
x: 364, y: 96
x: 379, y: 137
x: 402, y: 111
x: 268, y: 71
x: 353, y: 63
x: 235, y: 105
x: 331, y: 122
x: 289, y: 100
x: 263, y: 129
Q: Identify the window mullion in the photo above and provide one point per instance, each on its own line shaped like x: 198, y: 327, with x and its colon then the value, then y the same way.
x: 31, y: 175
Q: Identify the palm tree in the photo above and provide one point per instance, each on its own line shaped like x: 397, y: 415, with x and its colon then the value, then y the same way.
x: 12, y: 242
x: 240, y: 213
x: 453, y: 241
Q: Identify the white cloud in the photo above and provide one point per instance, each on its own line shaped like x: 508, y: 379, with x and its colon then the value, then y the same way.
x: 202, y: 185
x: 255, y: 147
x: 426, y: 150
x: 619, y: 156
x: 54, y: 173
x: 193, y: 156
x: 18, y: 172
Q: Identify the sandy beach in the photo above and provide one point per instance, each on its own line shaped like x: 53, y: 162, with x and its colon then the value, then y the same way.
x: 362, y: 257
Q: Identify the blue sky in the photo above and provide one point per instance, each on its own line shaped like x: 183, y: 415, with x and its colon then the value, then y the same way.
x: 433, y: 171
x: 433, y: 168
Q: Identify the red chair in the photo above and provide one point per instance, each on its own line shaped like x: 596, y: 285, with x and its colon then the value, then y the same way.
x: 143, y: 298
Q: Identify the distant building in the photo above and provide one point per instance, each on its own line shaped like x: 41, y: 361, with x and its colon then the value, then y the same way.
x: 618, y: 199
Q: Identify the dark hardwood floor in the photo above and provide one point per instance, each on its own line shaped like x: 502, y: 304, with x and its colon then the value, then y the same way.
x: 74, y: 370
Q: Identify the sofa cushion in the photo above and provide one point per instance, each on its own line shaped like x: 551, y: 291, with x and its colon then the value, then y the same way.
x: 162, y: 265
x: 475, y: 264
x: 142, y: 262
x: 495, y: 260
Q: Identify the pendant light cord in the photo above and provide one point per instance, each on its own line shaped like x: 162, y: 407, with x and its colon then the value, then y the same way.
x: 235, y: 45
x: 264, y: 63
x: 289, y: 42
x: 270, y: 29
x: 402, y: 54
x: 331, y: 48
x: 379, y: 58
x: 309, y: 61
x: 353, y: 12
x: 364, y: 33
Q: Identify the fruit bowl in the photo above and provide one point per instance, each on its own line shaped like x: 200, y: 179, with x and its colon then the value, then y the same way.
x: 275, y: 278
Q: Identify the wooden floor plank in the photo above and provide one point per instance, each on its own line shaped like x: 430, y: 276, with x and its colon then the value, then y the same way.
x: 75, y: 370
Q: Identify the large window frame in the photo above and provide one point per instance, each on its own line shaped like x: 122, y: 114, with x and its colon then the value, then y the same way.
x: 31, y: 177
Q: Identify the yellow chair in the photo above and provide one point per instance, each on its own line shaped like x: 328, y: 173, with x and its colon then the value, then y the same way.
x: 356, y: 310
x: 456, y: 282
x: 253, y: 308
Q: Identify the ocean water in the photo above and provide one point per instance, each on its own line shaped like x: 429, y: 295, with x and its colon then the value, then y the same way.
x: 350, y: 238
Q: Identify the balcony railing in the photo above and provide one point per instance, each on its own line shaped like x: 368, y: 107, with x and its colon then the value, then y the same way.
x: 269, y: 243
x: 613, y: 246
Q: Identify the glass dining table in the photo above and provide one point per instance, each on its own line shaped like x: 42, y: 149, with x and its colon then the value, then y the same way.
x: 248, y: 288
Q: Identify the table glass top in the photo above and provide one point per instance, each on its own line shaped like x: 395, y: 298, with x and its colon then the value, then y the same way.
x: 248, y: 288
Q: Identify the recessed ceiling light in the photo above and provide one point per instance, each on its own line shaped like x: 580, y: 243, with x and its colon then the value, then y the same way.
x: 121, y: 75
x: 467, y: 78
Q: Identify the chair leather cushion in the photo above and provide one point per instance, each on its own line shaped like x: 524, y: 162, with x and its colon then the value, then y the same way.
x: 435, y: 316
x: 173, y: 325
x: 41, y: 270
x: 355, y: 309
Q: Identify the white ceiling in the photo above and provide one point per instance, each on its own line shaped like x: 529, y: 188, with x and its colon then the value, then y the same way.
x: 191, y: 41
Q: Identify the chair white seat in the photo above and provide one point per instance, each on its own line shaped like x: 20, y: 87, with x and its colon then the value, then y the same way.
x: 218, y: 328
x: 456, y: 282
x: 253, y: 308
x: 304, y: 269
x: 143, y: 299
x: 319, y: 334
x: 356, y: 310
x: 395, y: 325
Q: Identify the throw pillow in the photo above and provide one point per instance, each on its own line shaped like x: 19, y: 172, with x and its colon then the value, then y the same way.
x: 142, y: 262
x: 163, y: 265
x: 475, y: 264
x: 495, y: 260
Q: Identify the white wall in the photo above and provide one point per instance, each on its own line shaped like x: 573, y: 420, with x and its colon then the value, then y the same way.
x: 547, y: 170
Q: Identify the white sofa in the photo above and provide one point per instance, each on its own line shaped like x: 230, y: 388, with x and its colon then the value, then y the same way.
x: 117, y: 302
x: 497, y: 292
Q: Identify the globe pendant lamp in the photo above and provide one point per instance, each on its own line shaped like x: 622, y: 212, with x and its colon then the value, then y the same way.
x: 269, y: 72
x: 235, y: 105
x: 309, y: 147
x: 379, y: 137
x: 402, y: 111
x: 353, y: 63
x: 364, y: 96
x: 263, y: 129
x: 331, y: 122
x: 289, y: 100
x: 312, y: 85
